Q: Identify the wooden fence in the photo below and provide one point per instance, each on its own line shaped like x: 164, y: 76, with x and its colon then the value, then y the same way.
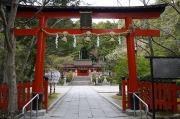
x: 165, y: 95
x: 24, y: 94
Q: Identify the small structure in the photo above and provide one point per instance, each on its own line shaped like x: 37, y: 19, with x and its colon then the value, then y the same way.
x: 82, y: 67
x: 105, y: 82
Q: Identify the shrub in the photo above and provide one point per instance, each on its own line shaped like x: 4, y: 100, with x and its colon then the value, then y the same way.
x: 69, y: 77
x: 93, y: 79
x: 100, y: 80
x: 109, y: 79
x: 61, y: 82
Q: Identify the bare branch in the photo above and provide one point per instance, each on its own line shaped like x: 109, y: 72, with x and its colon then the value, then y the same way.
x: 56, y: 23
x: 4, y: 20
x: 143, y: 49
x: 164, y: 47
x: 168, y: 33
x: 172, y: 5
x: 119, y: 3
x: 143, y: 41
x: 32, y: 44
x: 42, y: 7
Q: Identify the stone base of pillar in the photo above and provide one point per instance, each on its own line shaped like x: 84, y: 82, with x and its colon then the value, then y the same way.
x: 39, y: 114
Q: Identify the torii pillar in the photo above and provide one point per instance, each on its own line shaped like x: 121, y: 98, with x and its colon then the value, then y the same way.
x: 131, y: 65
x: 39, y: 69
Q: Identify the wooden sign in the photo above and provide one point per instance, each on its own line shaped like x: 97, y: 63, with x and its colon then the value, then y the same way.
x: 85, y: 20
x: 166, y: 68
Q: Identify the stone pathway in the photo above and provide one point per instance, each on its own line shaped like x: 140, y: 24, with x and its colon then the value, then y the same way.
x: 82, y: 102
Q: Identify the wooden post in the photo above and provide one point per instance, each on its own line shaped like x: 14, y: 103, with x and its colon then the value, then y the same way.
x: 123, y: 95
x: 39, y: 69
x: 133, y: 83
x: 46, y: 94
x: 175, y: 106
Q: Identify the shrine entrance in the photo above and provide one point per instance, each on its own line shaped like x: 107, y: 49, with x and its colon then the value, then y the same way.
x: 82, y: 71
x: 129, y: 31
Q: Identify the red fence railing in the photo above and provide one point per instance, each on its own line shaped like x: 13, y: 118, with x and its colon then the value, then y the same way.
x: 24, y: 94
x: 165, y: 95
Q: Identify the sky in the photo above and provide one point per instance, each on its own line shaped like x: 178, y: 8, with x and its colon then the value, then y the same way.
x: 112, y: 3
x: 115, y: 3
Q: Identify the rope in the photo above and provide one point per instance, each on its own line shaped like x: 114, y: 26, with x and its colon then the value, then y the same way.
x: 65, y: 33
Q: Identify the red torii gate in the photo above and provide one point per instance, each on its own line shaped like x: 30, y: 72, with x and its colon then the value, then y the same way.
x: 127, y: 13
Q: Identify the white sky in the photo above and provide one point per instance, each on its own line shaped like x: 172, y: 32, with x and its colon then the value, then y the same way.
x: 113, y: 3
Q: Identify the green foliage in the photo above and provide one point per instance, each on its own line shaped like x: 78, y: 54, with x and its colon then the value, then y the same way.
x: 2, y: 36
x: 121, y: 69
x: 107, y: 25
x: 93, y: 78
x: 109, y: 79
x: 100, y: 80
x: 143, y: 68
x: 69, y: 77
x: 61, y: 81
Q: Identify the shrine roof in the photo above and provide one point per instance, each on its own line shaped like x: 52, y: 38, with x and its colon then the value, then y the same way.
x: 149, y: 8
x: 83, y: 62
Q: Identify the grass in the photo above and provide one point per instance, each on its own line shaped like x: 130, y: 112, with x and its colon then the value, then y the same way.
x: 117, y: 97
x: 164, y: 113
x: 52, y: 98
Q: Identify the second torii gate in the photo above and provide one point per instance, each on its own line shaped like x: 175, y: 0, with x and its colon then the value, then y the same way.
x: 127, y: 13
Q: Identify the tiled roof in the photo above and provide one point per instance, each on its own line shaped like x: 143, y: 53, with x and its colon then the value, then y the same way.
x: 83, y: 62
x: 149, y: 8
x: 69, y: 65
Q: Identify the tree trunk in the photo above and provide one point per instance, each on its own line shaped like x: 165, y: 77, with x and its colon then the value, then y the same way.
x: 120, y: 89
x: 3, y: 63
x: 8, y: 23
x: 11, y: 74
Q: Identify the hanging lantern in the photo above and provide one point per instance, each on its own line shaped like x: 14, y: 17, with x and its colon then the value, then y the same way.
x: 65, y: 33
x: 112, y: 34
x: 87, y: 39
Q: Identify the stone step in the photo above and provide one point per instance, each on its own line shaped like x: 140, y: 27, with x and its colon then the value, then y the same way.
x: 80, y: 83
x: 81, y: 80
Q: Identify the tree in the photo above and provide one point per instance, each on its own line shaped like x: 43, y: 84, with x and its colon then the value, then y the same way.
x: 8, y: 24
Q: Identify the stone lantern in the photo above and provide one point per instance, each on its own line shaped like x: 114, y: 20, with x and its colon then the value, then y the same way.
x: 53, y: 76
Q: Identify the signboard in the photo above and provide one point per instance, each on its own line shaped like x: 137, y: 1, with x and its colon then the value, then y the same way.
x: 166, y: 68
x: 85, y: 20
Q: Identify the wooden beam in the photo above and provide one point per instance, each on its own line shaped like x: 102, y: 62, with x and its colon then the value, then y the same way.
x: 95, y: 15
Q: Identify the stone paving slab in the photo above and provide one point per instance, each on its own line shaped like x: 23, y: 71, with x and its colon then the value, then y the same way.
x: 82, y: 102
